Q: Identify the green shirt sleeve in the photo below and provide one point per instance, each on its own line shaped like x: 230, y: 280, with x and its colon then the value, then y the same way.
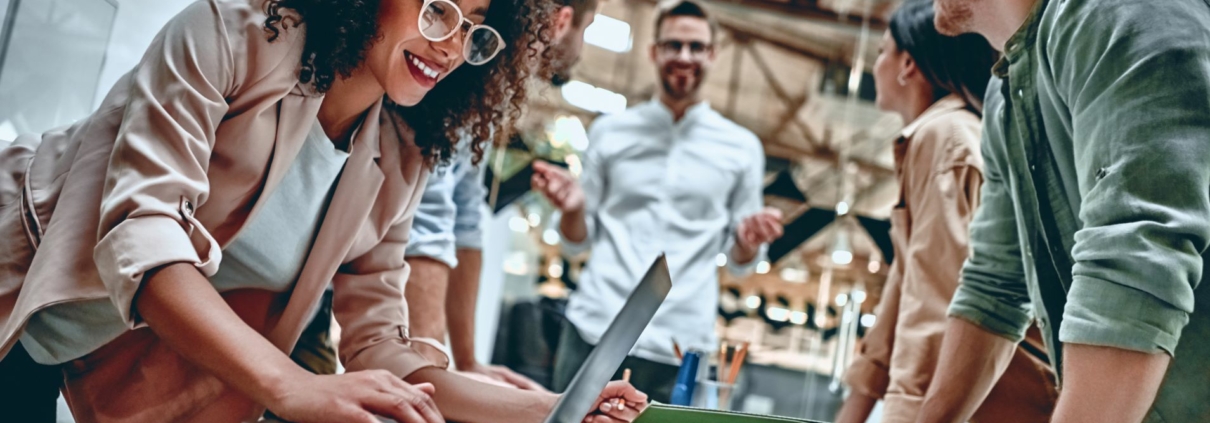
x: 993, y: 293
x: 1135, y: 76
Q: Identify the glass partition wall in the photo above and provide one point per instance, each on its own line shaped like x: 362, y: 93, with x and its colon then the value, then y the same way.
x: 51, y: 53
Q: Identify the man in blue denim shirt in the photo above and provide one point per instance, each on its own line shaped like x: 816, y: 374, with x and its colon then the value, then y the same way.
x: 1095, y: 216
x: 444, y: 250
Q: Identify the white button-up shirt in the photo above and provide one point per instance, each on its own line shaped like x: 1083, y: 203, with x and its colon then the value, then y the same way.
x: 655, y: 186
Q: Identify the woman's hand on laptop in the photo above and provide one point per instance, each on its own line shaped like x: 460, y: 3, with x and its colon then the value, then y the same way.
x: 619, y: 402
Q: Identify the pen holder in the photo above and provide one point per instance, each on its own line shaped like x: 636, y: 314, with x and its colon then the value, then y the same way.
x: 713, y: 395
x: 686, y: 379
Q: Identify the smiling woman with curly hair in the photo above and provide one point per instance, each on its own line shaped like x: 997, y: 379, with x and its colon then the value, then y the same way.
x: 476, y: 102
x: 159, y: 258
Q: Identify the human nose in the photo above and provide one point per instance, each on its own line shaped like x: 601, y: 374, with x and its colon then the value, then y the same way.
x: 451, y: 48
x: 684, y: 54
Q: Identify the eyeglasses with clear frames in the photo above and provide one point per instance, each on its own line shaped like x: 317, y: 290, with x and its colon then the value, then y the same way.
x: 697, y: 49
x: 441, y: 19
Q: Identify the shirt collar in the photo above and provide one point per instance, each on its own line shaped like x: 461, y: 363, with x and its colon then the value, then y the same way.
x: 1021, y: 41
x: 691, y: 113
x: 946, y: 104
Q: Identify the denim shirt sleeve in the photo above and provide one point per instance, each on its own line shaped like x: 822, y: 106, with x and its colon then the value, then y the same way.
x: 469, y: 193
x: 993, y: 293
x: 433, y: 226
x: 1136, y: 77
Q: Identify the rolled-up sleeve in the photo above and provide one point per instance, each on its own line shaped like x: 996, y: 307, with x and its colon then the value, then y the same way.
x: 468, y: 200
x: 992, y: 293
x: 368, y: 304
x: 432, y: 232
x: 746, y: 199
x: 1137, y: 80
x: 157, y: 170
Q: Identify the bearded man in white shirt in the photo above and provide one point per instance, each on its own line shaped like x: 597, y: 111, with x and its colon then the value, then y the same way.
x: 668, y: 176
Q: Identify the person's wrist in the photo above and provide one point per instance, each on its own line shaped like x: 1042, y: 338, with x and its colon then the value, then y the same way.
x: 574, y: 210
x: 466, y: 364
x: 744, y: 247
x: 274, y: 386
x: 549, y: 400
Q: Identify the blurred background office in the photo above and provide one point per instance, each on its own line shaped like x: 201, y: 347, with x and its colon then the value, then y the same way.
x: 795, y: 72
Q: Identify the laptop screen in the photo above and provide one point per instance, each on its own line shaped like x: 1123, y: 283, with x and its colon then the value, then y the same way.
x: 615, y: 345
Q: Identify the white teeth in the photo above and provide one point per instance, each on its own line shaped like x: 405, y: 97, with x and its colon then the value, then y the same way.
x: 429, y: 72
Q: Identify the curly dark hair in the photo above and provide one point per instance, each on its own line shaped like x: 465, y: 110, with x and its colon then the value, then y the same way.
x: 477, y: 103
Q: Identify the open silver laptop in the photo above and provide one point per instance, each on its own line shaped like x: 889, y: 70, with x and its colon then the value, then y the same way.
x: 615, y: 345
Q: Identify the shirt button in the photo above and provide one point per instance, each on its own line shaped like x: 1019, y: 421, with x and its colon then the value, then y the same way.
x: 1020, y: 93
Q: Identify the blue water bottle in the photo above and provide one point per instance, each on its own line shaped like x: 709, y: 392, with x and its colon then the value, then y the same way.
x: 686, y: 379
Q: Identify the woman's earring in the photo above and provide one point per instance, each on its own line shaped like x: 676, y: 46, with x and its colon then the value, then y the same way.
x: 901, y: 80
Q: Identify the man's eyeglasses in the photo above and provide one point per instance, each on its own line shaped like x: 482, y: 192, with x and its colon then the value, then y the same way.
x: 442, y: 19
x: 670, y: 48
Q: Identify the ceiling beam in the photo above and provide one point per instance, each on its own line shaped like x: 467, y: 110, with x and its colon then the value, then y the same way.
x: 809, y: 9
x: 789, y: 44
x: 778, y: 149
x: 742, y: 30
x: 793, y: 105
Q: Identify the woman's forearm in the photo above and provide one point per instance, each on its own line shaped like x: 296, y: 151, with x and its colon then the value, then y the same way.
x: 465, y: 400
x: 187, y: 313
x: 971, y: 362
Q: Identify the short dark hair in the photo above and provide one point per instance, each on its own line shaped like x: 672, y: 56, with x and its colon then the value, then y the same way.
x: 578, y: 9
x: 960, y: 65
x: 685, y: 8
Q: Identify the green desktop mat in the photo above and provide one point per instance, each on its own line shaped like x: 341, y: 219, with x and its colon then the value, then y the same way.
x: 661, y: 413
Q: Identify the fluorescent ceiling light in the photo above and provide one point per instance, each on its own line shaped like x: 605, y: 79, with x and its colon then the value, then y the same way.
x: 593, y: 99
x: 752, y: 301
x: 778, y: 314
x: 842, y: 257
x: 610, y: 34
x: 550, y: 236
x: 798, y: 317
x: 859, y: 296
x: 790, y: 274
x: 762, y: 267
x: 518, y: 224
x: 569, y: 130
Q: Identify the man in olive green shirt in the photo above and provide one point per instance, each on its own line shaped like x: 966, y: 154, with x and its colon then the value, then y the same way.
x: 1095, y: 216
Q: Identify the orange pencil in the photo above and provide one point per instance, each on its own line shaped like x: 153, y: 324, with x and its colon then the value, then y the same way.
x: 722, y: 361
x: 677, y: 349
x: 737, y: 362
x: 620, y: 403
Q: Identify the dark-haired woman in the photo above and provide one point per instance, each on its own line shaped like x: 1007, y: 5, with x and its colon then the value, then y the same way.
x: 936, y: 84
x: 159, y: 258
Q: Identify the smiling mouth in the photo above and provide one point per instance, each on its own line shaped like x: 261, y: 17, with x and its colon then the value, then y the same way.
x: 425, y: 72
